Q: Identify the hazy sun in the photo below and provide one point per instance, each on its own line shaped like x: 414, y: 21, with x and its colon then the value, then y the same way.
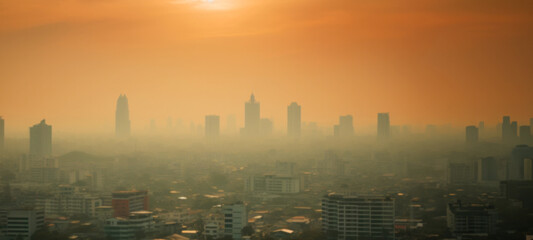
x: 208, y: 4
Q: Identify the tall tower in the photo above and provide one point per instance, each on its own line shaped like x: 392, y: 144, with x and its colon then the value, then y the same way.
x: 212, y: 126
x: 122, y: 117
x: 252, y: 117
x: 1, y: 134
x: 383, y: 126
x: 41, y: 139
x: 294, y: 120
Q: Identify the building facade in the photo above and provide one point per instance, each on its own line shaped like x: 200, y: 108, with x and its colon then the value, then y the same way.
x: 355, y: 217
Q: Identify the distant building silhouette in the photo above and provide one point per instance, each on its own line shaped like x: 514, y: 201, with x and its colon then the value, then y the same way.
x: 345, y: 127
x: 507, y: 132
x: 2, y: 136
x: 294, y: 120
x: 122, y: 117
x: 472, y: 134
x: 383, y: 126
x: 252, y: 117
x: 41, y: 140
x: 212, y: 126
x: 487, y: 170
x: 525, y: 134
x: 531, y: 123
x: 516, y: 169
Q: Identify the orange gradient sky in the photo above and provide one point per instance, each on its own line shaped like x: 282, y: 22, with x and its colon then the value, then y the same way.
x: 425, y: 62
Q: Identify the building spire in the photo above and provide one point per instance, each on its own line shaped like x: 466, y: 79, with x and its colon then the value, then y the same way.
x: 252, y: 98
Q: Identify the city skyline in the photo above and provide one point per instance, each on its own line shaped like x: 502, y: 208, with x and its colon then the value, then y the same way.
x: 411, y: 60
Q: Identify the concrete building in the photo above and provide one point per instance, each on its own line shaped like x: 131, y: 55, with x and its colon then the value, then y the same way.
x: 22, y: 223
x: 294, y: 120
x: 41, y: 140
x: 235, y: 219
x: 357, y: 217
x: 272, y: 184
x: 137, y: 223
x: 471, y: 219
x: 126, y: 202
x: 383, y: 126
x: 212, y: 126
x: 461, y: 172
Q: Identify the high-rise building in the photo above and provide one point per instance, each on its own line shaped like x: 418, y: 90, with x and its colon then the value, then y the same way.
x: 509, y: 130
x: 122, y: 117
x: 472, y: 134
x: 1, y: 134
x: 125, y: 202
x: 515, y: 168
x: 235, y: 219
x: 21, y: 224
x: 41, y: 140
x: 294, y: 120
x: 383, y: 126
x: 525, y: 134
x: 252, y: 117
x: 345, y: 127
x: 471, y: 220
x: 212, y: 126
x: 272, y: 184
x: 357, y: 217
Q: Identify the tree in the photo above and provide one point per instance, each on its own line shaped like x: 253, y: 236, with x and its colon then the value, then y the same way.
x: 247, y: 230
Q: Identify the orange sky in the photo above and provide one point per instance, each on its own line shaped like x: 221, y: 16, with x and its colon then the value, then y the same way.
x: 441, y: 61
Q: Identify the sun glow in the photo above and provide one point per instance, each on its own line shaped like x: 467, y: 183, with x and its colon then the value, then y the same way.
x: 208, y: 4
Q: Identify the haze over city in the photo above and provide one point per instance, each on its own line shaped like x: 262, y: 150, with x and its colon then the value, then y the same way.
x: 266, y: 120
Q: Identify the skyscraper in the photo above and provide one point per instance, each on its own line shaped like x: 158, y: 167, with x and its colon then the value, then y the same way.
x: 345, y: 127
x: 252, y: 117
x: 294, y: 120
x: 472, y: 134
x: 509, y: 130
x: 41, y: 139
x: 122, y: 117
x: 212, y: 126
x: 383, y: 126
x: 525, y: 134
x: 1, y: 134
